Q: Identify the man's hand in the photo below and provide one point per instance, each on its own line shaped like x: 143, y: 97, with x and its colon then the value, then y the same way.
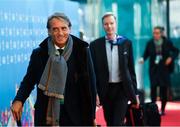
x: 138, y: 102
x: 141, y: 60
x: 168, y: 61
x: 16, y: 109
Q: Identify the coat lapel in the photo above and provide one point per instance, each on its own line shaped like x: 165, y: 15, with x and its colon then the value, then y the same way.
x: 120, y: 52
x: 104, y: 54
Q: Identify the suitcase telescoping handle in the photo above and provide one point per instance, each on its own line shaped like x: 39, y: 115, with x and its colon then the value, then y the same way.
x: 132, y: 117
x: 131, y: 114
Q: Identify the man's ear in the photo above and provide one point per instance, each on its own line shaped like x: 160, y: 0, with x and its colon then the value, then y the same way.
x: 49, y: 33
x: 69, y: 29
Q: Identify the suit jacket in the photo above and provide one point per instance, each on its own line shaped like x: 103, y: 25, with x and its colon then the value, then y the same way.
x: 160, y: 73
x: 126, y: 64
x: 80, y: 90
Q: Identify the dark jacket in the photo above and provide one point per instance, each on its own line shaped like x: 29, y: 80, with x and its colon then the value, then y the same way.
x: 80, y: 91
x: 160, y: 73
x: 126, y: 64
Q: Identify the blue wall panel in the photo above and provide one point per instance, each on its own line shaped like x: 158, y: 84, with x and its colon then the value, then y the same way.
x: 22, y: 28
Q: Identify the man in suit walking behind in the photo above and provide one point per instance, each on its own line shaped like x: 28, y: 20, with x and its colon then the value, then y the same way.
x: 115, y: 75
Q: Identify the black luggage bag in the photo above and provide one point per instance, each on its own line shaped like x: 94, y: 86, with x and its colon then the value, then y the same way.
x: 151, y: 114
x: 146, y: 115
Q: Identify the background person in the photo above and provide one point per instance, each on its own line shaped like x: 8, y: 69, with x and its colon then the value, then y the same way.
x: 161, y: 53
x: 115, y: 75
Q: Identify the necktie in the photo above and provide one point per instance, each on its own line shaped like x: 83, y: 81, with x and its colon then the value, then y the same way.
x: 60, y: 51
x: 112, y: 44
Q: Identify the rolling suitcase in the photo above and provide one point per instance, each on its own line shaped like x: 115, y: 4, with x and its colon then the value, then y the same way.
x: 146, y: 115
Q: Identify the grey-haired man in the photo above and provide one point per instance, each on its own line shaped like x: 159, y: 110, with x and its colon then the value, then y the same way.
x: 61, y: 68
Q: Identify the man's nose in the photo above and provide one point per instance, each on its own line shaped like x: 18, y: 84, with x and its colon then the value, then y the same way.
x: 109, y: 25
x: 60, y: 32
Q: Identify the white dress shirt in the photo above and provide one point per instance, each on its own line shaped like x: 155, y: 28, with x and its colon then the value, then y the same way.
x: 113, y: 63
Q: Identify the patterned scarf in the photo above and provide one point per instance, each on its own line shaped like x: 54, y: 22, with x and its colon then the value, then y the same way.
x: 158, y: 46
x: 53, y: 79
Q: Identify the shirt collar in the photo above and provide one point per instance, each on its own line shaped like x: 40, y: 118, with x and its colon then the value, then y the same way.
x: 113, y: 39
x: 56, y: 47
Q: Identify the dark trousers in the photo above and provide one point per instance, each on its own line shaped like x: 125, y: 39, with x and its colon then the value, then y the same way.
x: 163, y: 95
x: 115, y: 105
